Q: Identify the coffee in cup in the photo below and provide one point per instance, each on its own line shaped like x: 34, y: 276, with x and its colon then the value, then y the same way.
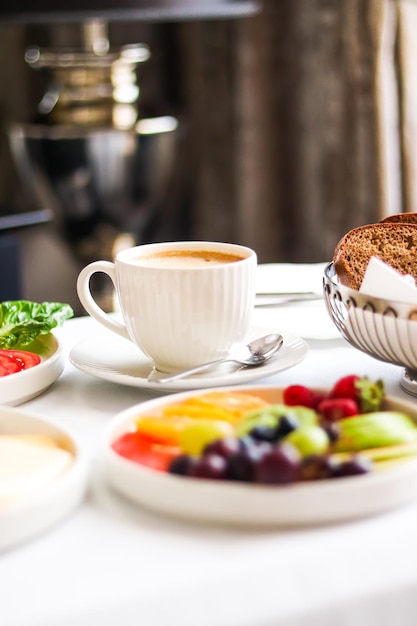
x: 182, y: 303
x: 188, y: 259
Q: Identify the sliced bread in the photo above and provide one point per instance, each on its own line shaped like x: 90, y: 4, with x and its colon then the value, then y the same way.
x: 408, y: 218
x: 394, y: 243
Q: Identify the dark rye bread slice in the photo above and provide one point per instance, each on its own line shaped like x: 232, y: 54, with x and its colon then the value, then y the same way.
x: 394, y: 243
x: 409, y: 218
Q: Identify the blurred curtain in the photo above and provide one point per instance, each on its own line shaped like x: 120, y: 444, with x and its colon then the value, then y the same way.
x: 407, y: 97
x: 291, y: 114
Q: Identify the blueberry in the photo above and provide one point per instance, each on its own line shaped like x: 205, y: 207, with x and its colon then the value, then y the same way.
x: 264, y: 433
x: 333, y: 431
x: 286, y: 424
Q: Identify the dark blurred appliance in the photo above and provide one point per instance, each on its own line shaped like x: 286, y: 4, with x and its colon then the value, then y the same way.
x: 87, y: 155
x: 78, y: 10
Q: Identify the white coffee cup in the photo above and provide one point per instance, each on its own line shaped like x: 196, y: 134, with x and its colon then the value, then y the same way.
x: 183, y: 303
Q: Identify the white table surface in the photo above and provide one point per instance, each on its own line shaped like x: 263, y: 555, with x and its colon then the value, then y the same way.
x: 112, y: 563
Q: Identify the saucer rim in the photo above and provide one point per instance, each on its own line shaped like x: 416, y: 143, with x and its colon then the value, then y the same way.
x: 198, y: 381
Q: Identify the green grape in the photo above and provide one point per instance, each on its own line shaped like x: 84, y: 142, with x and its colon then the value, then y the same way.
x: 194, y: 437
x: 309, y: 440
x: 271, y: 415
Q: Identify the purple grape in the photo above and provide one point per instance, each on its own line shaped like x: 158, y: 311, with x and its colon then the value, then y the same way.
x: 278, y: 466
x: 181, y: 465
x: 354, y: 466
x: 226, y: 447
x: 211, y: 466
x: 241, y: 466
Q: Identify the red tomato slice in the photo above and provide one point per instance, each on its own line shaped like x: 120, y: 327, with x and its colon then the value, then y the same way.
x: 10, y: 364
x: 135, y: 447
x: 27, y: 359
x: 3, y: 370
x: 13, y: 361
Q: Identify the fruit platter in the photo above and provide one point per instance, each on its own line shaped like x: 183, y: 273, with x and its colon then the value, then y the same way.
x: 267, y: 456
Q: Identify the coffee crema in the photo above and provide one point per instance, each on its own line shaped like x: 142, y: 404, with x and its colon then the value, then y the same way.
x: 185, y: 259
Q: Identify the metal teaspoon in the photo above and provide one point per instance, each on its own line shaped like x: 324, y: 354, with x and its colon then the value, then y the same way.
x: 256, y: 353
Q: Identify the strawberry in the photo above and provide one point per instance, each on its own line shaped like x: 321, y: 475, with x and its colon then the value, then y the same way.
x: 345, y: 388
x: 366, y: 393
x: 334, y: 409
x: 299, y: 395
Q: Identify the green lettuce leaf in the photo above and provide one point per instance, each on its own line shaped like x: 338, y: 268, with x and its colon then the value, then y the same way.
x: 21, y: 321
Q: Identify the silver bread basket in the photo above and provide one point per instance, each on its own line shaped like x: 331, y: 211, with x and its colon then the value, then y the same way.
x: 384, y: 329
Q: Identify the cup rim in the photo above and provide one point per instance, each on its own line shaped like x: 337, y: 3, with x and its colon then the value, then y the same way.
x: 125, y: 256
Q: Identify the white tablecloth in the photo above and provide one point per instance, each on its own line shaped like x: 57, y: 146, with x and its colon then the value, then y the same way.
x: 113, y: 563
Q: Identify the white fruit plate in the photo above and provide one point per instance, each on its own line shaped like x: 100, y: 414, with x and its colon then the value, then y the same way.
x: 27, y: 384
x: 38, y: 509
x: 239, y: 504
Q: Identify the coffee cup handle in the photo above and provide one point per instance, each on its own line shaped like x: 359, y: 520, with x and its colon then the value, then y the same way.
x: 88, y: 302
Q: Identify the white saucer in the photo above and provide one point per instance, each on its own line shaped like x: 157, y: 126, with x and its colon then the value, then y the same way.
x: 23, y: 386
x: 117, y: 360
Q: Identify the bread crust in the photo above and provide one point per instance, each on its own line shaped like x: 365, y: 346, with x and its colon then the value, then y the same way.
x: 409, y: 218
x: 393, y: 242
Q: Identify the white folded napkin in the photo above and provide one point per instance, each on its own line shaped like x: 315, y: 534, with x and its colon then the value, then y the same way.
x: 308, y: 319
x: 290, y: 278
x: 383, y: 281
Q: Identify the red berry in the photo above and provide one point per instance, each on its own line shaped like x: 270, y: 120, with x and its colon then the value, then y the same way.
x: 299, y: 395
x: 334, y: 409
x: 346, y: 388
x: 368, y: 394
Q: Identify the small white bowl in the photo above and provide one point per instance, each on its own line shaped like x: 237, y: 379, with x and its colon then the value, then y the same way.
x: 27, y: 384
x: 384, y: 329
x: 244, y: 504
x: 28, y: 517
